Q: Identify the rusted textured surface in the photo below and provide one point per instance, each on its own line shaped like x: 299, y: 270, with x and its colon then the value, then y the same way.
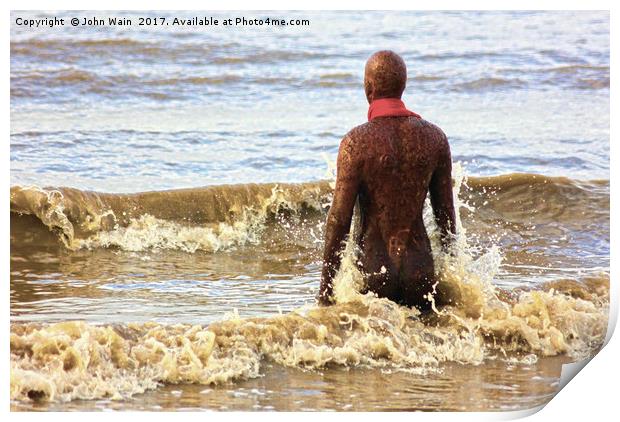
x: 390, y: 163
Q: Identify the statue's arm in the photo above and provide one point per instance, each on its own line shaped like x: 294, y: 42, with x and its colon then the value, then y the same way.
x: 442, y: 199
x: 340, y: 214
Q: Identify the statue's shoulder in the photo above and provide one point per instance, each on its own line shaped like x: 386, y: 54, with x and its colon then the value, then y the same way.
x: 359, y: 134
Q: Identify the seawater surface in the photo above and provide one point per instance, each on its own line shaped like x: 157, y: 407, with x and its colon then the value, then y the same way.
x: 169, y: 188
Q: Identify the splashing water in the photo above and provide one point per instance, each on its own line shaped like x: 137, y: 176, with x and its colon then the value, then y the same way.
x: 72, y: 360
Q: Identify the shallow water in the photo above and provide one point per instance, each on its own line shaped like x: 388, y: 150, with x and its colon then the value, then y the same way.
x: 492, y: 387
x: 149, y: 110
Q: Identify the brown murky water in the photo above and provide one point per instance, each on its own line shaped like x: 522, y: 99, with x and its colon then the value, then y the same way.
x: 493, y: 386
x: 190, y: 314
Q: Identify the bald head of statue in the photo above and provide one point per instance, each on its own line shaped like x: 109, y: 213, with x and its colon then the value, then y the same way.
x: 385, y: 76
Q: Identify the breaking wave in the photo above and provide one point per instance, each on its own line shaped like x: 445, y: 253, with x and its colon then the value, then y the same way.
x: 75, y: 360
x: 210, y: 219
x: 220, y: 217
